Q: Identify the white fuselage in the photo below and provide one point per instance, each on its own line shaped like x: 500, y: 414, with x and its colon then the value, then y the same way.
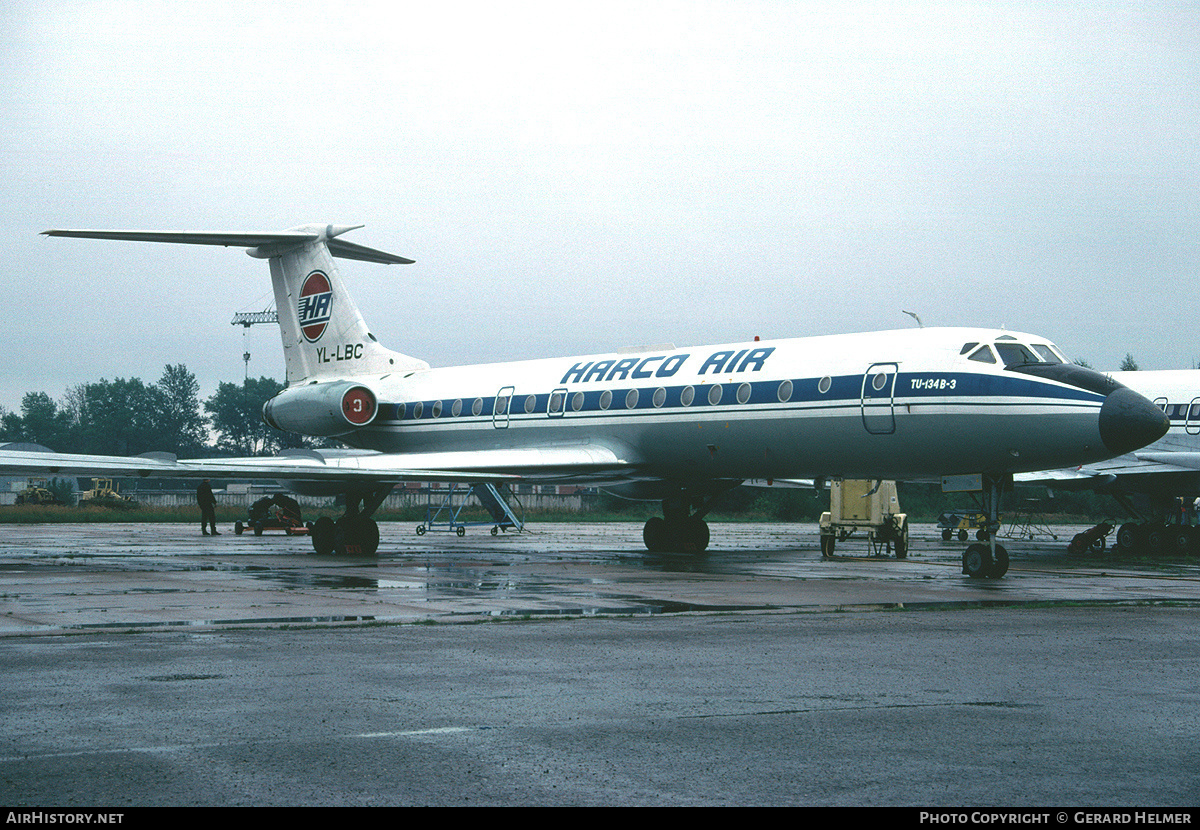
x: 905, y: 404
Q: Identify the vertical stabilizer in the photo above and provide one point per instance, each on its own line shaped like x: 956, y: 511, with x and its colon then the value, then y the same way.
x: 324, y: 335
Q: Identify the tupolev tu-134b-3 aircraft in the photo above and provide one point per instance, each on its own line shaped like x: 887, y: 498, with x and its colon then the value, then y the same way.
x: 676, y: 425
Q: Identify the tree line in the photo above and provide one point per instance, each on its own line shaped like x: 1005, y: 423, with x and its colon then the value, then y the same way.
x: 130, y: 417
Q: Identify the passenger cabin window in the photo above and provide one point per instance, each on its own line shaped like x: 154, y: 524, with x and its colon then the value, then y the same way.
x: 983, y: 354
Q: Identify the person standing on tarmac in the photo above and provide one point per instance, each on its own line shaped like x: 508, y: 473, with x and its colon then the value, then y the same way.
x: 208, y: 505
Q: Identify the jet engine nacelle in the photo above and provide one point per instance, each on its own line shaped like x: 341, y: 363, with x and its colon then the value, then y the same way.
x: 322, y: 409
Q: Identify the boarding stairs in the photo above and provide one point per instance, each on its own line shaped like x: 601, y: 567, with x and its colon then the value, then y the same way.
x: 446, y: 515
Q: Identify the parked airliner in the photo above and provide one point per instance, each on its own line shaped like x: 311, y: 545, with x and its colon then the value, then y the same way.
x: 1158, y: 475
x: 679, y: 425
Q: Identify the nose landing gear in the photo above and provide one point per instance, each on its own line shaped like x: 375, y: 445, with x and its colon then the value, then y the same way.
x: 988, y: 560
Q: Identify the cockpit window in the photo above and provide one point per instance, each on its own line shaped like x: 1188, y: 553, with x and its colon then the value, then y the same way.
x: 968, y: 346
x: 1015, y: 354
x: 983, y: 354
x: 1046, y: 353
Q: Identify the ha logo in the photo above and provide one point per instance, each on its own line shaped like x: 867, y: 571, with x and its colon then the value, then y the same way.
x: 314, y: 306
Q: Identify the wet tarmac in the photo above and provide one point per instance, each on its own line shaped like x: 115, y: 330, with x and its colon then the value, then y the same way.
x: 56, y: 578
x: 147, y: 665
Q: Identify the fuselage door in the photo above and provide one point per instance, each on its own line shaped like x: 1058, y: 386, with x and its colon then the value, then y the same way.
x: 503, y: 405
x: 878, y: 393
x: 1192, y: 422
x: 557, y: 404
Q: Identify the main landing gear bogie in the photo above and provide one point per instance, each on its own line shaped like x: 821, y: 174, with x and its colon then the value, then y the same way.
x: 689, y: 535
x: 678, y: 529
x: 355, y: 533
x: 1158, y: 539
x: 349, y: 535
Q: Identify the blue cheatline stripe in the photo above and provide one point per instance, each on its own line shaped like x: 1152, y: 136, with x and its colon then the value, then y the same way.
x: 964, y: 389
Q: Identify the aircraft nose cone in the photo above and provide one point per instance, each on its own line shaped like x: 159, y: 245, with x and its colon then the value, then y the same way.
x: 1129, y: 422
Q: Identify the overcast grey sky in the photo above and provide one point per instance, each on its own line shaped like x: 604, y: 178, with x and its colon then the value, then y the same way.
x: 575, y: 177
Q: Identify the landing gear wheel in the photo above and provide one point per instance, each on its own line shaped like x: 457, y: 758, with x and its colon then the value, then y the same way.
x: 324, y: 536
x: 356, y: 536
x: 654, y: 534
x: 1156, y: 538
x: 693, y: 536
x: 1129, y: 537
x: 368, y: 536
x: 1000, y: 565
x: 977, y: 561
x: 1180, y: 540
x: 901, y: 542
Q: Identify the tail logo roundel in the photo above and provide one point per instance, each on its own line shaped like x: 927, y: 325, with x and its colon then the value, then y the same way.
x: 315, y: 304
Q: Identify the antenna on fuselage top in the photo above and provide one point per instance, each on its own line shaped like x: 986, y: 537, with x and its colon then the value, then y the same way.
x: 913, y: 315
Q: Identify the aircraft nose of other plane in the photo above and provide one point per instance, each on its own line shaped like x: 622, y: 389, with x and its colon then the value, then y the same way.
x: 1129, y: 421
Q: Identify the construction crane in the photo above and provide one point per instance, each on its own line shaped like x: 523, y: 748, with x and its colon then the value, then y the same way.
x: 246, y: 319
x: 250, y: 318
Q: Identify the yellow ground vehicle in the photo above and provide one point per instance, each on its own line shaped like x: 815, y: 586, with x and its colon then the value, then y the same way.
x: 36, y: 492
x: 873, y: 506
x: 962, y: 522
x: 104, y: 494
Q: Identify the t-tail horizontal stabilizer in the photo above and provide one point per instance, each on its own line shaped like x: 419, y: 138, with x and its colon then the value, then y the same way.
x: 324, y: 335
x: 261, y: 245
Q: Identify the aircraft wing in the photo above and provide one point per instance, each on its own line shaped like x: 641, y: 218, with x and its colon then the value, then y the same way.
x: 1176, y: 461
x: 569, y: 462
x: 783, y: 483
x: 1107, y: 472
